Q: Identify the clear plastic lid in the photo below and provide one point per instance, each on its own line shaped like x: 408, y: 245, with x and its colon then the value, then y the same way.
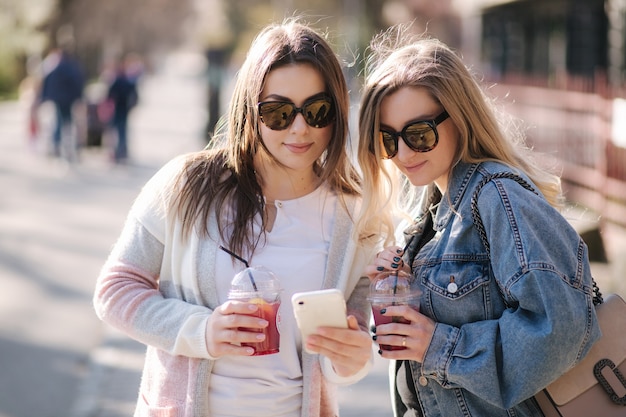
x: 392, y: 286
x: 255, y: 282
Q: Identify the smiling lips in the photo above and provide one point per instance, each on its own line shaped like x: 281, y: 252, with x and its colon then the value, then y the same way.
x: 415, y: 167
x: 298, y: 147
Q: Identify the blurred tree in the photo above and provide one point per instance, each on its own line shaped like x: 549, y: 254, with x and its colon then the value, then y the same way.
x: 349, y: 22
x: 20, y: 39
x: 105, y: 30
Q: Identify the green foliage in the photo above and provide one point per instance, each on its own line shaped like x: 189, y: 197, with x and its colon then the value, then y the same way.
x: 9, y: 77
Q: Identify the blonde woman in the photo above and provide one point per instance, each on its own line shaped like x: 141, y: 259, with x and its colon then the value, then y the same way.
x: 495, y: 325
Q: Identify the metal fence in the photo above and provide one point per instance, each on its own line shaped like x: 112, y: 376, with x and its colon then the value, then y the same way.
x: 580, y: 125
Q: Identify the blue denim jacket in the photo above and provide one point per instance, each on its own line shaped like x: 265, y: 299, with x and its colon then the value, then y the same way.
x: 518, y: 318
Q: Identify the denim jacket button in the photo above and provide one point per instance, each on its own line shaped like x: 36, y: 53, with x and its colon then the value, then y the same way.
x: 423, y: 381
x: 452, y: 287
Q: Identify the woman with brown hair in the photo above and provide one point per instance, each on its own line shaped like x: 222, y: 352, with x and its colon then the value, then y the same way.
x: 277, y: 189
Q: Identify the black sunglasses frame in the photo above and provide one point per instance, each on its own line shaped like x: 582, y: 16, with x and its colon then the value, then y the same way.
x: 402, y: 134
x: 295, y: 110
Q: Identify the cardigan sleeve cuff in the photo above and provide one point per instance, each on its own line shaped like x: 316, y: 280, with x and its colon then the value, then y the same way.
x: 329, y: 372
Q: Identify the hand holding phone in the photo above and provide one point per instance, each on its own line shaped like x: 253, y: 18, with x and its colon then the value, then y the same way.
x: 321, y: 308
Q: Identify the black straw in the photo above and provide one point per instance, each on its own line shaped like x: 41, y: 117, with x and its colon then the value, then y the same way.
x: 395, y: 283
x: 252, y: 281
x: 234, y: 255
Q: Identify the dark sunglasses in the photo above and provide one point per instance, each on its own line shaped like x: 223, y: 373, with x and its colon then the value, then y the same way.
x: 420, y: 136
x: 318, y: 112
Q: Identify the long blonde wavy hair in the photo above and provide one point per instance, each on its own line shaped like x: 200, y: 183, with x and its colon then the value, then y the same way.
x: 398, y: 59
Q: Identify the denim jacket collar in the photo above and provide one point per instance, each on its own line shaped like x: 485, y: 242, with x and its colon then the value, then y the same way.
x: 457, y: 186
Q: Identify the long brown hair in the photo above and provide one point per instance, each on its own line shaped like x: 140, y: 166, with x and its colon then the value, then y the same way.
x: 220, y: 181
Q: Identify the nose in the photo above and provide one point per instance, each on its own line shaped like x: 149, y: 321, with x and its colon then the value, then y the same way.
x: 403, y: 149
x: 299, y: 124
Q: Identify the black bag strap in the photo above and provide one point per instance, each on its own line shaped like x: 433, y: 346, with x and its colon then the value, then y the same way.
x: 412, y: 248
x: 480, y: 227
x: 478, y: 222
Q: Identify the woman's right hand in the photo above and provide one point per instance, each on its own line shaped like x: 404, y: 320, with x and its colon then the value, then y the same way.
x: 389, y: 259
x: 223, y: 334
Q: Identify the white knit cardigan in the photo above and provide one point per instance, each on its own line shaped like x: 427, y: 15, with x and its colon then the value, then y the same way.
x: 160, y: 291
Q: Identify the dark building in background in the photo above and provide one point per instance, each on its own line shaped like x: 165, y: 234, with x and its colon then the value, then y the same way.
x: 549, y: 38
x: 539, y: 37
x: 560, y: 67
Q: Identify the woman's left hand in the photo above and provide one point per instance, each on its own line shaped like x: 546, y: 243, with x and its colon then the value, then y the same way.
x: 413, y: 337
x: 349, y: 349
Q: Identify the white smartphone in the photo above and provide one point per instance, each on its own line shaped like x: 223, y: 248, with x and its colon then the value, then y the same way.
x: 314, y: 309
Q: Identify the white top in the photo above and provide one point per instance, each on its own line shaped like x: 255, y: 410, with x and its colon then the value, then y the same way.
x: 296, y: 250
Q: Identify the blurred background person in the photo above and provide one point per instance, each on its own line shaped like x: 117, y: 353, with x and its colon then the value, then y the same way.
x: 63, y: 85
x: 123, y: 96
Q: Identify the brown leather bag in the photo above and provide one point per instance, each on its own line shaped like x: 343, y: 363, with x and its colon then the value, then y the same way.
x: 596, y: 386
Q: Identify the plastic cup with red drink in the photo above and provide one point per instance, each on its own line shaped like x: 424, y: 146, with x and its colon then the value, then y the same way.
x: 258, y: 285
x: 392, y: 288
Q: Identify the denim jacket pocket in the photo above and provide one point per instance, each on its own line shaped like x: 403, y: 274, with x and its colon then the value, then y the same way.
x: 457, y: 289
